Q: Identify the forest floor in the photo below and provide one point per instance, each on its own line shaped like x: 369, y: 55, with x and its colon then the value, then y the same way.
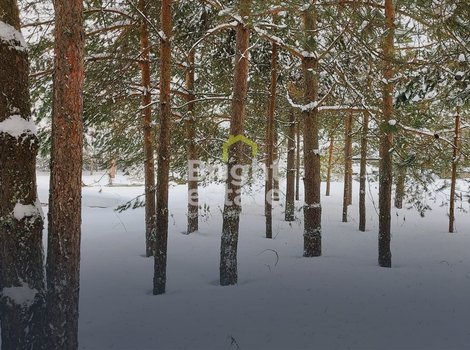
x: 341, y: 300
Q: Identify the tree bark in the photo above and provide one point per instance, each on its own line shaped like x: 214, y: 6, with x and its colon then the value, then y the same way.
x: 193, y: 194
x: 290, y: 186
x: 297, y: 161
x: 330, y: 165
x: 453, y: 182
x: 347, y: 166
x: 149, y: 161
x: 312, y: 207
x: 350, y: 152
x: 21, y: 221
x: 164, y: 155
x: 270, y: 146
x: 232, y: 207
x: 363, y: 173
x: 386, y: 140
x: 63, y: 255
x: 276, y: 197
x: 400, y: 187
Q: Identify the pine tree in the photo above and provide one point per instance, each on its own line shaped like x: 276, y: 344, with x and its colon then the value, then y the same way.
x: 164, y: 151
x: 21, y: 222
x: 386, y: 139
x: 312, y: 207
x: 149, y: 162
x: 232, y: 207
x: 64, y: 229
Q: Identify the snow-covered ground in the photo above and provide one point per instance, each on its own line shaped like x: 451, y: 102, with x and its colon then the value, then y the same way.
x: 341, y: 300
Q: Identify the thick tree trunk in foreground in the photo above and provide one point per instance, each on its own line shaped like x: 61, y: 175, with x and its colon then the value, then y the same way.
x: 453, y: 182
x: 312, y: 206
x: 232, y: 207
x: 164, y: 155
x: 270, y: 140
x: 193, y: 193
x: 330, y: 165
x: 21, y: 222
x: 149, y: 161
x: 363, y: 173
x: 297, y: 161
x: 290, y: 186
x: 386, y: 141
x: 347, y: 166
x: 63, y: 255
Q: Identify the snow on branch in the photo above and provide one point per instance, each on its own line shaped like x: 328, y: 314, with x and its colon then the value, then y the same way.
x: 304, y: 108
x: 426, y: 133
x: 12, y: 37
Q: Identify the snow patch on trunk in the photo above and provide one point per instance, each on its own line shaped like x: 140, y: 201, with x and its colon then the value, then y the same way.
x: 16, y: 126
x: 22, y: 211
x: 12, y: 37
x: 22, y: 295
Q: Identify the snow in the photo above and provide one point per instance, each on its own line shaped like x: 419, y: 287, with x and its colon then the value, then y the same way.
x: 23, y: 295
x: 303, y: 108
x: 21, y: 211
x: 392, y: 122
x: 341, y: 300
x: 11, y: 36
x: 16, y: 126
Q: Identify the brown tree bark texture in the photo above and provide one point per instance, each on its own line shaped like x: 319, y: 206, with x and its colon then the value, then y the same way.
x: 347, y: 166
x: 297, y: 160
x: 149, y: 160
x: 312, y: 207
x: 193, y: 195
x: 453, y: 182
x: 270, y: 144
x: 330, y: 164
x: 21, y: 251
x: 290, y: 186
x: 400, y: 187
x: 164, y: 155
x: 386, y: 141
x: 363, y: 173
x: 63, y: 256
x: 232, y: 207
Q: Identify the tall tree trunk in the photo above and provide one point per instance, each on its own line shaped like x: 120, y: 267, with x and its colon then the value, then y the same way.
x: 276, y: 197
x: 63, y: 252
x: 270, y: 140
x: 350, y: 155
x: 290, y: 186
x: 312, y: 206
x: 386, y: 140
x: 297, y: 161
x: 164, y: 155
x: 193, y: 193
x: 347, y: 166
x: 400, y: 187
x: 363, y: 173
x: 453, y: 182
x: 21, y: 221
x: 232, y: 207
x: 330, y: 164
x: 149, y: 161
